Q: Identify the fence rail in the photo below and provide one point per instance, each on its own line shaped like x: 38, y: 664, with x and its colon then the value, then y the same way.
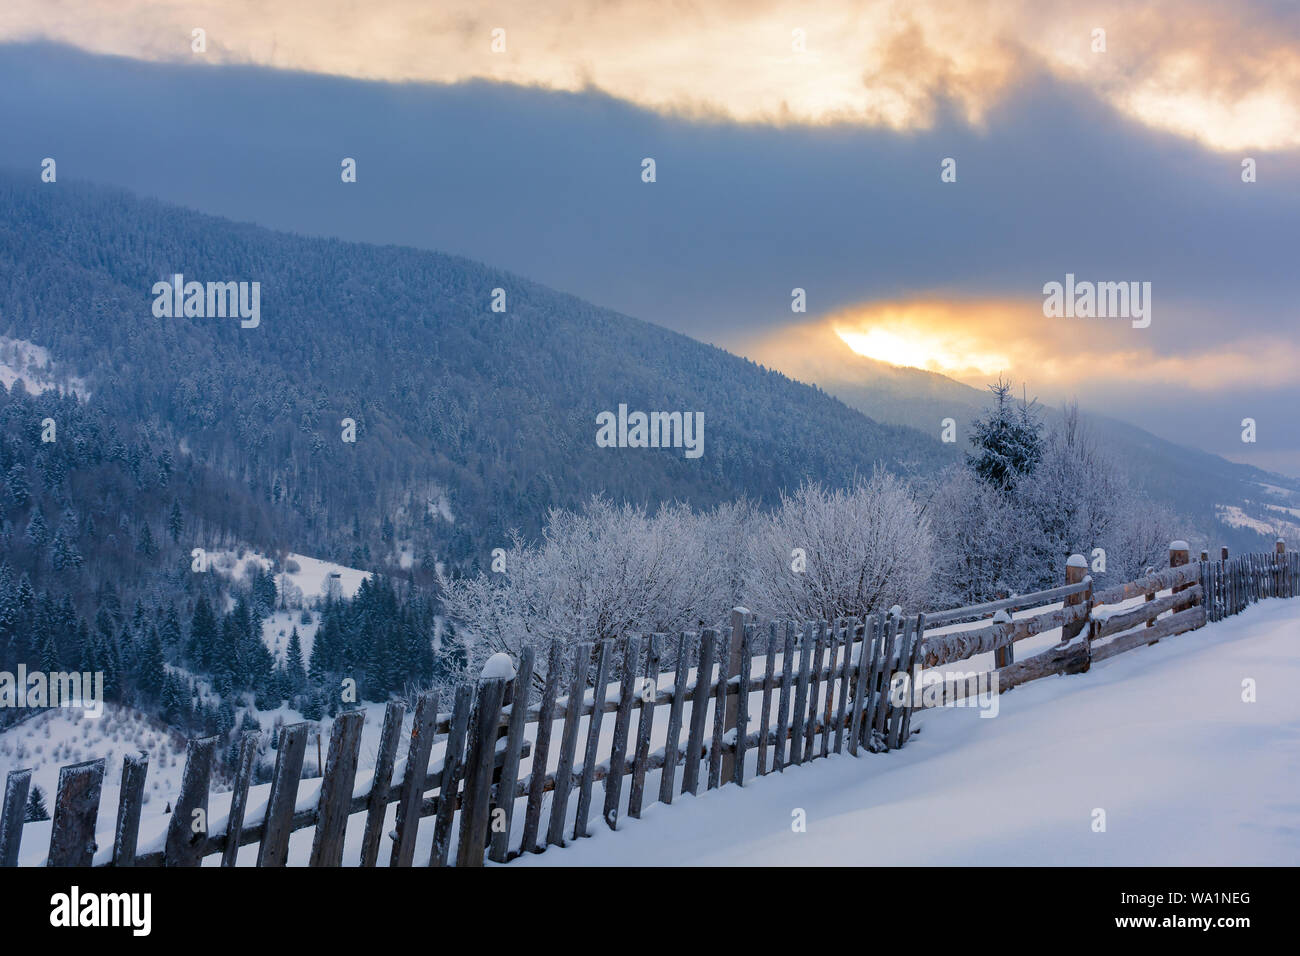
x: 794, y: 694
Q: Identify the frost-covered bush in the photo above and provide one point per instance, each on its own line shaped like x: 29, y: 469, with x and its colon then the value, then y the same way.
x: 829, y: 553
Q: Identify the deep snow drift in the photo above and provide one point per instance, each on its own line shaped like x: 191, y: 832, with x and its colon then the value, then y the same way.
x: 1159, y: 738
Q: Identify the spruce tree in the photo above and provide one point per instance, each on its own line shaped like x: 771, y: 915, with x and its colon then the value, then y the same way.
x: 293, y: 662
x: 36, y: 809
x: 175, y: 522
x: 1008, y: 440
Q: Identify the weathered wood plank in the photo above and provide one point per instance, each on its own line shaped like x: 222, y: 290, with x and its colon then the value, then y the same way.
x: 912, y: 668
x: 1190, y: 619
x: 1159, y: 581
x: 499, y: 851
x: 870, y: 630
x: 895, y: 722
x: 1017, y: 603
x: 742, y: 705
x: 668, y: 778
x: 336, y: 789
x: 783, y: 700
x: 407, y: 821
x: 645, y: 701
x: 381, y: 782
x: 834, y: 639
x: 569, y: 743
x: 14, y: 813
x: 726, y: 640
x: 274, y: 849
x: 1179, y: 600
x: 814, y: 693
x: 801, y: 695
x: 880, y: 686
x: 188, y: 828
x: 847, y: 633
x: 765, y: 711
x: 448, y: 782
x: 475, y: 807
x: 699, y: 710
x: 76, y: 808
x: 542, y: 750
x: 600, y: 689
x: 945, y: 648
x: 239, y: 795
x: 130, y: 802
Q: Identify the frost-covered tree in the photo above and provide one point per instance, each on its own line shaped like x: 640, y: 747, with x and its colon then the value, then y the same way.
x: 830, y: 553
x: 1008, y: 440
x: 601, y: 572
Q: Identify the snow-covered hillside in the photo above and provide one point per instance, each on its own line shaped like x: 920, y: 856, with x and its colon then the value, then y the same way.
x: 20, y: 359
x: 300, y: 580
x: 1159, y: 738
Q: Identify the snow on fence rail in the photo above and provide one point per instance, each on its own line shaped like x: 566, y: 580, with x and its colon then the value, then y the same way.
x: 803, y: 693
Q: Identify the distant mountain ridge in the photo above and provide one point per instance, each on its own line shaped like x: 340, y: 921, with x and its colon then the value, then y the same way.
x: 1200, y: 485
x: 468, y: 423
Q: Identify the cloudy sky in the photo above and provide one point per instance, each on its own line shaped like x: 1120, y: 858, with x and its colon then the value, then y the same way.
x: 794, y: 147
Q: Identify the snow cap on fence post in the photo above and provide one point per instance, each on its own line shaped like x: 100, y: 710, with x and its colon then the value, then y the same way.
x: 896, y: 611
x: 498, y: 667
x: 1280, y: 546
x: 1179, y: 553
x: 1076, y: 569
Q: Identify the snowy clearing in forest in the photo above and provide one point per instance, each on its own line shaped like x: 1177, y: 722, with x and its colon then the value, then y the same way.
x: 1159, y: 738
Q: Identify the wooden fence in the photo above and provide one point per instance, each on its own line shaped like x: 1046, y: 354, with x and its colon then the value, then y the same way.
x: 738, y: 701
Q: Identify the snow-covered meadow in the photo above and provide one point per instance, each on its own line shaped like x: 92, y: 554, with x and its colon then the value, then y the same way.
x: 1160, y: 738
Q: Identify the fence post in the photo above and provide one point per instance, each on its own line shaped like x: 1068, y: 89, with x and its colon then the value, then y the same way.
x: 1279, y: 551
x: 1180, y: 554
x: 479, y: 753
x: 72, y: 834
x: 738, y: 650
x: 13, y: 814
x: 1076, y: 569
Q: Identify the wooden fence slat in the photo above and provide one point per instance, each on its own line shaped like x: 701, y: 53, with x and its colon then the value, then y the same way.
x: 783, y: 700
x: 873, y: 677
x: 569, y: 743
x: 475, y: 808
x: 499, y: 851
x: 130, y: 802
x: 239, y: 795
x: 600, y: 690
x: 725, y: 639
x: 869, y: 631
x: 274, y: 850
x: 76, y: 808
x: 184, y: 843
x: 895, y: 722
x: 913, y: 660
x: 407, y: 820
x: 699, y: 710
x: 765, y: 710
x: 832, y: 664
x: 810, y: 727
x: 801, y: 695
x: 880, y: 686
x: 648, y: 684
x: 13, y: 814
x: 448, y: 781
x: 381, y: 782
x: 668, y: 776
x: 336, y: 789
x: 622, y: 723
x: 742, y: 703
x: 814, y: 692
x: 542, y: 750
x: 847, y: 633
